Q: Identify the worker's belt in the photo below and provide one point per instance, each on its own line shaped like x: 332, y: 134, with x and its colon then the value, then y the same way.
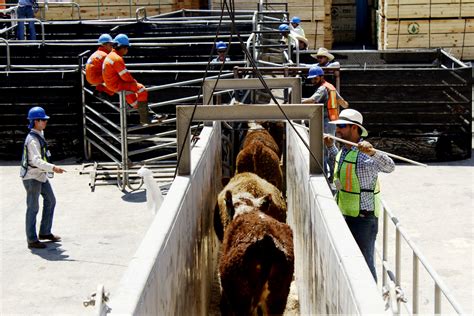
x: 366, y: 214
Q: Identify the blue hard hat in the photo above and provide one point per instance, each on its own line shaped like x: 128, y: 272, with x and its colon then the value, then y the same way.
x: 37, y: 113
x: 315, y: 71
x: 121, y: 40
x: 221, y: 45
x: 105, y: 38
x: 283, y: 28
x: 296, y: 20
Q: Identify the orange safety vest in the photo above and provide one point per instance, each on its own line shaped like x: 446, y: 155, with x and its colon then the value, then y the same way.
x: 333, y: 108
x: 94, y: 66
x: 114, y: 71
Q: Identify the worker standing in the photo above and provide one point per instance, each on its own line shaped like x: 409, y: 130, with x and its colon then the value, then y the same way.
x: 117, y: 78
x: 35, y: 170
x: 325, y: 58
x: 221, y: 49
x: 26, y: 10
x: 94, y: 65
x: 296, y: 27
x: 327, y: 94
x: 356, y: 181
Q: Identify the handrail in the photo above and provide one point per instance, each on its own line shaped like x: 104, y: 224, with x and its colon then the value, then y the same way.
x: 8, y: 52
x: 78, y: 7
x: 137, y: 11
x: 27, y: 20
x: 440, y: 286
x: 250, y: 41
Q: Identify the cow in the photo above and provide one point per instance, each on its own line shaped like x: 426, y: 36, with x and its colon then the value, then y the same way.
x: 256, y: 157
x: 256, y: 264
x: 247, y: 188
x: 258, y: 132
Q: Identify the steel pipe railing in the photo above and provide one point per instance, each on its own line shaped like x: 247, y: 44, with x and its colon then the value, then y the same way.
x: 27, y: 20
x: 73, y: 4
x: 8, y: 52
x: 439, y: 286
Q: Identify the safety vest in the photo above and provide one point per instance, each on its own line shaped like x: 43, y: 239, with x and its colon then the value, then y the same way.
x: 333, y: 108
x: 348, y: 194
x: 44, y: 153
x: 94, y: 66
x: 114, y: 71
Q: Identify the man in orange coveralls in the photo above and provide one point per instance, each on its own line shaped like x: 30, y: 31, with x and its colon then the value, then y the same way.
x: 94, y: 65
x: 117, y: 78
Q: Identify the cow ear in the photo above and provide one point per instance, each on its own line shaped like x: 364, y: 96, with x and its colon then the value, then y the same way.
x: 229, y: 204
x: 267, y: 200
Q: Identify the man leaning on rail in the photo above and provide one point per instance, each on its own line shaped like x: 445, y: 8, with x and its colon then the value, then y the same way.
x: 356, y: 171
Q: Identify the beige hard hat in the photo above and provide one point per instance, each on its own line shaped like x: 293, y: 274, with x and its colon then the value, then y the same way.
x: 323, y: 52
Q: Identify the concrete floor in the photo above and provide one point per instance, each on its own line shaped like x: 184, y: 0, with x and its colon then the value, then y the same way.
x: 100, y: 232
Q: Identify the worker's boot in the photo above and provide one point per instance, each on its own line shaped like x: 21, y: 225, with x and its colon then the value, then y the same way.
x: 142, y: 108
x: 152, y: 117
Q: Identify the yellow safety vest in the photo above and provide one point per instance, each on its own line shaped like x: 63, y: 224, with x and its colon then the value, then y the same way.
x: 348, y: 194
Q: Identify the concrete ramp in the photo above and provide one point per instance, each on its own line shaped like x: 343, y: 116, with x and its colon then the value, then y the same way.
x: 172, y: 272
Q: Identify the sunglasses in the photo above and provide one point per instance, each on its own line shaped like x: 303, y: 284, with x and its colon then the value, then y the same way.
x: 342, y: 125
x: 221, y: 51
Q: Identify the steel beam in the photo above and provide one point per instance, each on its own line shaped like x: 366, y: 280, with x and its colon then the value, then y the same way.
x: 252, y: 84
x: 184, y: 115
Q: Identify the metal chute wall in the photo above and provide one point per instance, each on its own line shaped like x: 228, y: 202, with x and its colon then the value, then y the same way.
x: 331, y: 274
x: 172, y: 271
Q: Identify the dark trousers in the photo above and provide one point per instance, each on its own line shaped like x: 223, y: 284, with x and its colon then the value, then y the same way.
x: 364, y: 230
x: 26, y: 12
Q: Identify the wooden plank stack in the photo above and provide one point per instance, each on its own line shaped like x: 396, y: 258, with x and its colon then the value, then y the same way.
x: 315, y: 17
x: 427, y: 24
x: 111, y: 9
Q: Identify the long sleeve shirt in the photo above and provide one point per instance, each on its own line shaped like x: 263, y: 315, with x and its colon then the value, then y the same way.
x: 35, y: 160
x: 367, y: 171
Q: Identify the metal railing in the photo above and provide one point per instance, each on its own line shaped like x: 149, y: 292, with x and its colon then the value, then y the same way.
x: 72, y: 4
x: 417, y: 258
x: 26, y: 20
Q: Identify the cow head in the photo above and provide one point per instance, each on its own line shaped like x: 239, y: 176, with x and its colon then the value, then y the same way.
x: 245, y: 202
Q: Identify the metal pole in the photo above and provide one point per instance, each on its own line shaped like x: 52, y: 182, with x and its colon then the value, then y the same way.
x: 87, y: 148
x: 437, y: 299
x: 415, y: 304
x: 398, y: 261
x: 8, y: 52
x: 124, y: 137
x: 384, y: 246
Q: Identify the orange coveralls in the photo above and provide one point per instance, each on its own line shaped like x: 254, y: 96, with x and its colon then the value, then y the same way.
x: 94, y: 70
x: 117, y: 78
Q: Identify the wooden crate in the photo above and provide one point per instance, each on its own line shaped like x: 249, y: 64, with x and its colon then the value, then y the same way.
x: 416, y: 9
x: 452, y: 34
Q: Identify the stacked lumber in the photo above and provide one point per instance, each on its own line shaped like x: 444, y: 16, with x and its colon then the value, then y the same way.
x: 110, y: 9
x: 315, y: 17
x: 428, y: 24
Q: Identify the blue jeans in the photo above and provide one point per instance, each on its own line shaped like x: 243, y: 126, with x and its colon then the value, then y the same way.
x: 33, y: 190
x: 26, y: 12
x: 364, y: 231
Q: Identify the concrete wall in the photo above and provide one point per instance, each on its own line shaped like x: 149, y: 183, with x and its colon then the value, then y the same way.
x: 331, y: 273
x: 171, y: 272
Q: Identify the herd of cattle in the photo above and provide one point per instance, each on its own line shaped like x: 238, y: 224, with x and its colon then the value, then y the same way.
x: 257, y: 259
